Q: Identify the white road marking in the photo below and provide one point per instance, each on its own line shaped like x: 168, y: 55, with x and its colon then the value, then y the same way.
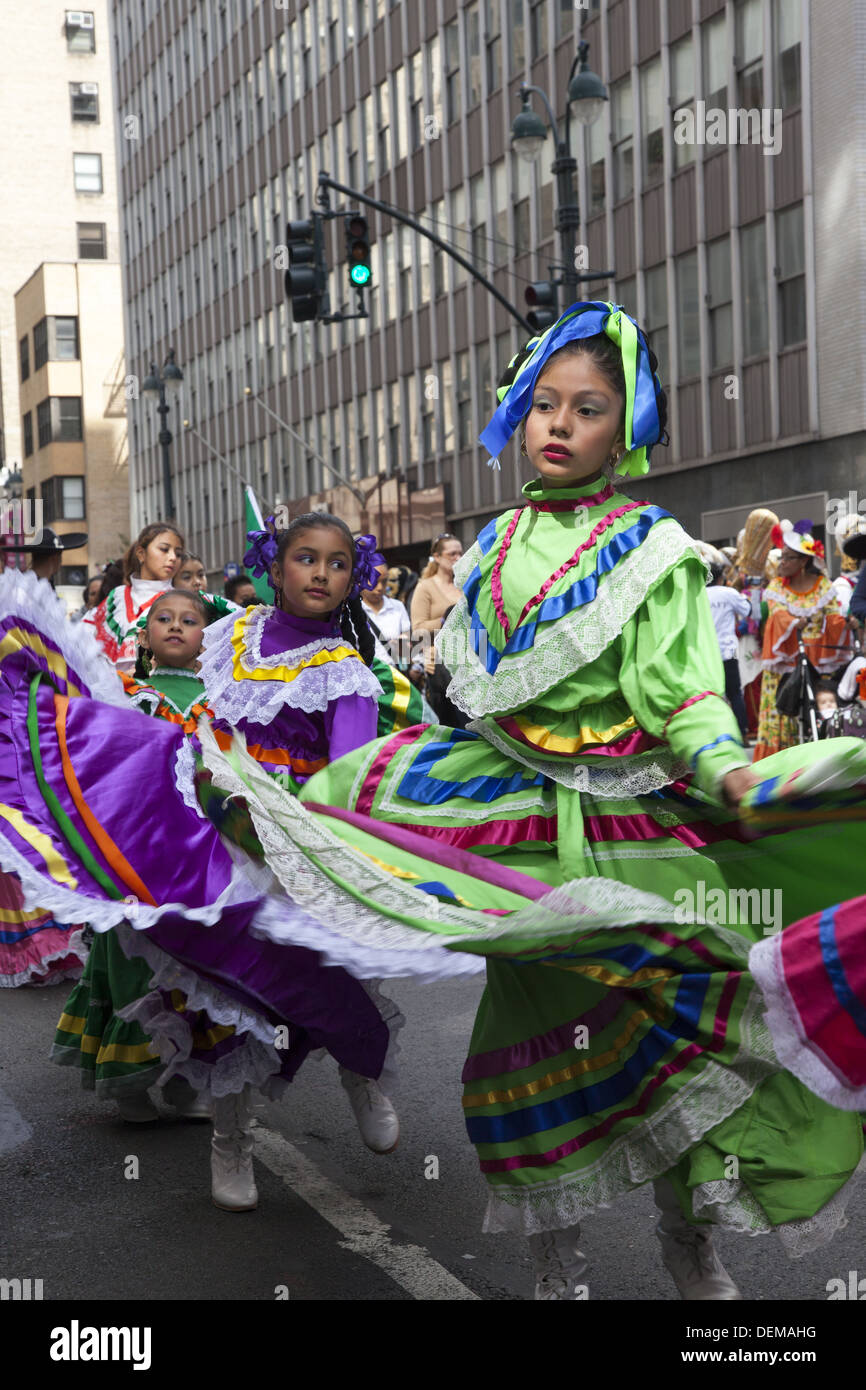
x: 14, y: 1129
x: 410, y: 1266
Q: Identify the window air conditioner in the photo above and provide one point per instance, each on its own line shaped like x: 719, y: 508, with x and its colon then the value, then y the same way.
x: 87, y: 19
x: 75, y: 19
x: 88, y: 89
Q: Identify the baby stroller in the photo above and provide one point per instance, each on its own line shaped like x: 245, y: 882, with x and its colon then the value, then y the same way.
x: 795, y: 696
x: 849, y: 718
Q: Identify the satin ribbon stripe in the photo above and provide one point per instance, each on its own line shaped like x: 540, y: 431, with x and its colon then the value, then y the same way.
x: 107, y: 848
x: 692, y: 699
x: 496, y: 578
x: 18, y: 636
x: 65, y: 825
x: 668, y: 1073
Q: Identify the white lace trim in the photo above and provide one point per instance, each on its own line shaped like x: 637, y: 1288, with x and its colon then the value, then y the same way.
x: 34, y: 970
x: 367, y: 940
x: 805, y: 1062
x: 68, y: 906
x: 261, y: 701
x: 23, y: 595
x: 257, y: 1061
x: 730, y: 1204
x: 559, y: 648
x: 184, y: 777
x: 648, y: 1151
x: 617, y: 777
x: 797, y: 609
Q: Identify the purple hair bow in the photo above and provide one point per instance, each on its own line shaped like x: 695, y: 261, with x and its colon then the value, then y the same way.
x: 367, y: 560
x: 262, y: 551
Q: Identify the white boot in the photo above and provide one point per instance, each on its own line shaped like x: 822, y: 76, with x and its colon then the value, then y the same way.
x: 233, y: 1186
x: 560, y: 1268
x: 688, y: 1253
x: 376, y: 1116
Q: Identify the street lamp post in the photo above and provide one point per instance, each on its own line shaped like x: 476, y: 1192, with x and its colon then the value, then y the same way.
x: 161, y: 384
x: 587, y: 93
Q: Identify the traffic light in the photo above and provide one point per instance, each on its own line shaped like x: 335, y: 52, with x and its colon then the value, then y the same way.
x: 541, y: 298
x: 358, y: 249
x: 307, y: 277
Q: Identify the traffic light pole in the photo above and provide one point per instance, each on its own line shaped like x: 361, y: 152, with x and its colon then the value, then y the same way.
x: 326, y: 182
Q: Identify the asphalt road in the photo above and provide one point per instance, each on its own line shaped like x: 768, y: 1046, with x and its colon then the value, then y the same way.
x: 334, y: 1221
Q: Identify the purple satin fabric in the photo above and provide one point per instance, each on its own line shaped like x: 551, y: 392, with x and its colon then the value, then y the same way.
x: 124, y: 764
x: 457, y: 859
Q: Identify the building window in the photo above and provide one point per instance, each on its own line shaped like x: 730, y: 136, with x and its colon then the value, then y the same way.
x: 63, y: 499
x: 55, y: 340
x: 24, y: 356
x: 623, y: 140
x: 59, y: 418
x: 416, y: 100
x: 63, y: 339
x: 40, y: 344
x: 656, y: 287
x: 688, y: 315
x: 652, y: 117
x: 516, y: 36
x: 478, y: 218
x: 597, y: 177
x: 791, y: 276
x: 749, y: 47
x: 92, y: 244
x: 626, y: 295
x: 453, y: 103
x: 383, y: 124
x: 683, y: 94
x: 754, y: 273
x: 786, y: 28
x: 80, y: 31
x: 87, y: 169
x: 84, y: 101
x: 719, y: 301
x: 493, y: 39
x: 43, y: 423
x: 564, y: 15
x: 27, y: 422
x: 715, y: 56
x: 473, y: 52
x: 464, y: 402
x: 537, y: 29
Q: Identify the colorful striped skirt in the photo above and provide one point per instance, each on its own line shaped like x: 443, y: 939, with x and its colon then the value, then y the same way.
x: 643, y: 1048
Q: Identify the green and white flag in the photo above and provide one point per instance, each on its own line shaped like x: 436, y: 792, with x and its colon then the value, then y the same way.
x: 255, y: 522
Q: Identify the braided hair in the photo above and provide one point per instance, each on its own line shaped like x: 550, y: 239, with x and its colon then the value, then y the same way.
x: 353, y: 619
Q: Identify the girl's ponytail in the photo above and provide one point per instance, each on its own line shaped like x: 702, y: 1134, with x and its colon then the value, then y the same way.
x: 356, y: 629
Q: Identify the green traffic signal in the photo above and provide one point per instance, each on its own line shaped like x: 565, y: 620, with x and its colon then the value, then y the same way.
x: 358, y: 248
x: 360, y: 274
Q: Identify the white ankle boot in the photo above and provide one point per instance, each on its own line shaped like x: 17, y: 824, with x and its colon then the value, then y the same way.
x: 376, y: 1116
x: 688, y: 1253
x: 233, y: 1186
x: 560, y: 1268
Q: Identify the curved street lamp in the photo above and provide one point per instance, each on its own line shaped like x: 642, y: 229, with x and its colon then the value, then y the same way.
x: 162, y: 384
x: 587, y: 94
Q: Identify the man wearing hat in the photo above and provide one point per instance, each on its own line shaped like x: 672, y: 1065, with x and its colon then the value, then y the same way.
x: 47, y: 553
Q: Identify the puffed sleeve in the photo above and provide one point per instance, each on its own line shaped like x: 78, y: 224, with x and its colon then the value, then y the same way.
x: 350, y: 722
x: 673, y: 679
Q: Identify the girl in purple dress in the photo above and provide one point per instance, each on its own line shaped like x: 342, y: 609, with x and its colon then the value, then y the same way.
x: 291, y: 678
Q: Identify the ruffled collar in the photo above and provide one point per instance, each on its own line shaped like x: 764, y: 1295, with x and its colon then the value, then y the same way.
x: 538, y: 491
